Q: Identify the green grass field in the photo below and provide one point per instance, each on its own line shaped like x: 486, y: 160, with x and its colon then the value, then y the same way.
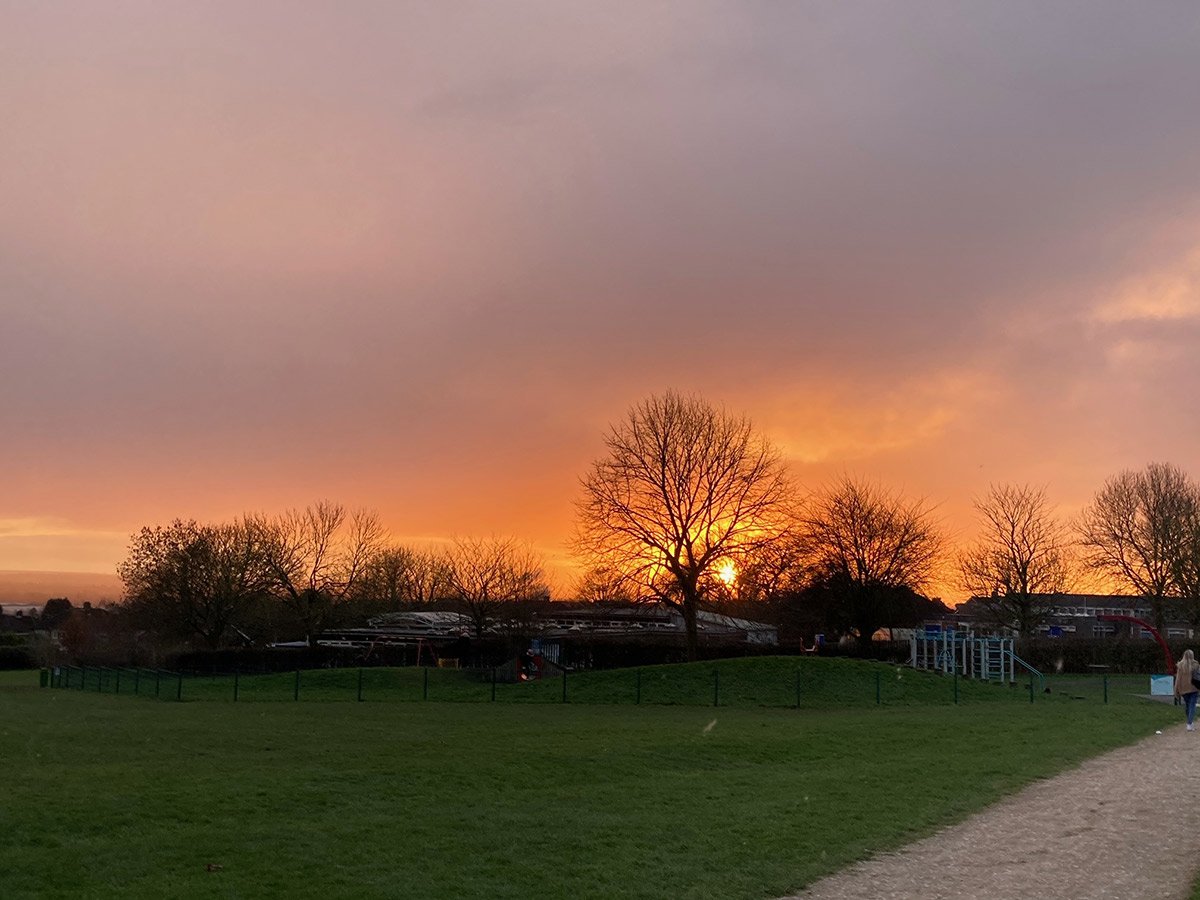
x: 120, y: 796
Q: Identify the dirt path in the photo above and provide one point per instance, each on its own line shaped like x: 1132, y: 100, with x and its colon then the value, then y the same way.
x: 1124, y: 825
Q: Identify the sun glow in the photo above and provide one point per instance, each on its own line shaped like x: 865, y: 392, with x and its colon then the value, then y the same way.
x: 727, y: 573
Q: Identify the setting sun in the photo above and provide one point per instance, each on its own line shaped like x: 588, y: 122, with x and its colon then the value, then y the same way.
x: 727, y: 573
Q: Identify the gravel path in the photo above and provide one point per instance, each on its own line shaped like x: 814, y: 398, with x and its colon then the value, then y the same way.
x: 1123, y: 825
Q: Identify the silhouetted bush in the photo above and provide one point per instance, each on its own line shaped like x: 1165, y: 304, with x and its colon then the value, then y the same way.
x: 1119, y: 655
x: 16, y: 657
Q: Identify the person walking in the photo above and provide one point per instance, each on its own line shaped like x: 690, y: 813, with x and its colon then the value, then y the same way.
x: 1185, y: 688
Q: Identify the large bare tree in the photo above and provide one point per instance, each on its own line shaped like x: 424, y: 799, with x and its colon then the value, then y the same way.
x: 317, y: 556
x: 872, y: 549
x: 194, y: 580
x: 1136, y: 530
x: 489, y: 577
x: 684, y: 489
x: 1022, y: 554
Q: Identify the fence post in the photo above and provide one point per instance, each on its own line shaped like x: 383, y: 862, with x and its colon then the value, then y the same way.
x: 638, y: 697
x: 118, y: 691
x: 1105, y: 688
x: 296, y: 687
x: 235, y: 684
x: 564, y: 700
x: 493, y: 684
x: 797, y: 687
x: 425, y: 683
x: 956, y: 686
x: 137, y: 681
x: 360, y: 676
x: 878, y: 688
x: 100, y: 680
x: 1030, y: 687
x: 179, y: 686
x: 716, y: 687
x: 157, y: 681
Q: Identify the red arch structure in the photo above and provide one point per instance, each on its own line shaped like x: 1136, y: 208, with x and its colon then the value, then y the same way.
x: 1154, y: 631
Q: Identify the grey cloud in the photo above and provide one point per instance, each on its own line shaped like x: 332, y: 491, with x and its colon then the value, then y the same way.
x: 241, y: 220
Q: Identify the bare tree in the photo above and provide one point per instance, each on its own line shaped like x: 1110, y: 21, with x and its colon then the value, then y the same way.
x: 604, y: 584
x: 1021, y: 555
x: 490, y: 576
x: 1136, y: 530
x: 194, y: 580
x: 1185, y: 571
x: 871, y: 549
x: 774, y: 570
x: 317, y: 557
x: 399, y: 577
x: 684, y: 489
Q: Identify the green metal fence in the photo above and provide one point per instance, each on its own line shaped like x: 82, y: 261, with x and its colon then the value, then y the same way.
x: 787, y: 682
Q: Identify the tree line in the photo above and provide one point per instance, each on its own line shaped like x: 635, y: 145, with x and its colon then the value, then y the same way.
x: 690, y: 506
x: 307, y: 570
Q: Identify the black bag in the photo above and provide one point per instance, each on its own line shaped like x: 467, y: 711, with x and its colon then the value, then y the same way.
x: 1196, y: 678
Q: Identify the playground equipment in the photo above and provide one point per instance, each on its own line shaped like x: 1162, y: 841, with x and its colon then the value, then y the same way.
x: 988, y: 658
x: 1153, y: 633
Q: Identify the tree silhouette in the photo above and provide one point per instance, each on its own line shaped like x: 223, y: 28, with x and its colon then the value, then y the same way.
x: 316, y: 557
x: 684, y: 489
x: 487, y: 576
x: 194, y: 580
x: 1136, y: 530
x: 869, y: 546
x: 1020, y: 556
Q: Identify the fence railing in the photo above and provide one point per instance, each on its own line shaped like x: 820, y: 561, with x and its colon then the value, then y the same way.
x: 799, y: 686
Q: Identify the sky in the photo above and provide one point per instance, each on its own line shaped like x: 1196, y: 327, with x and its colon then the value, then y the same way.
x: 417, y: 257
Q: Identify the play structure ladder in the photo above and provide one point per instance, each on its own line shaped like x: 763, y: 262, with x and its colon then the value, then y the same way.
x: 988, y: 658
x: 993, y: 659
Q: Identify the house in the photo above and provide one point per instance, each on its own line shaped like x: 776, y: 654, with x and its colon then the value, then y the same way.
x: 643, y: 624
x: 1078, y: 615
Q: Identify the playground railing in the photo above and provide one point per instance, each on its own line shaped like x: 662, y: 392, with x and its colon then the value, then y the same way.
x: 1041, y: 679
